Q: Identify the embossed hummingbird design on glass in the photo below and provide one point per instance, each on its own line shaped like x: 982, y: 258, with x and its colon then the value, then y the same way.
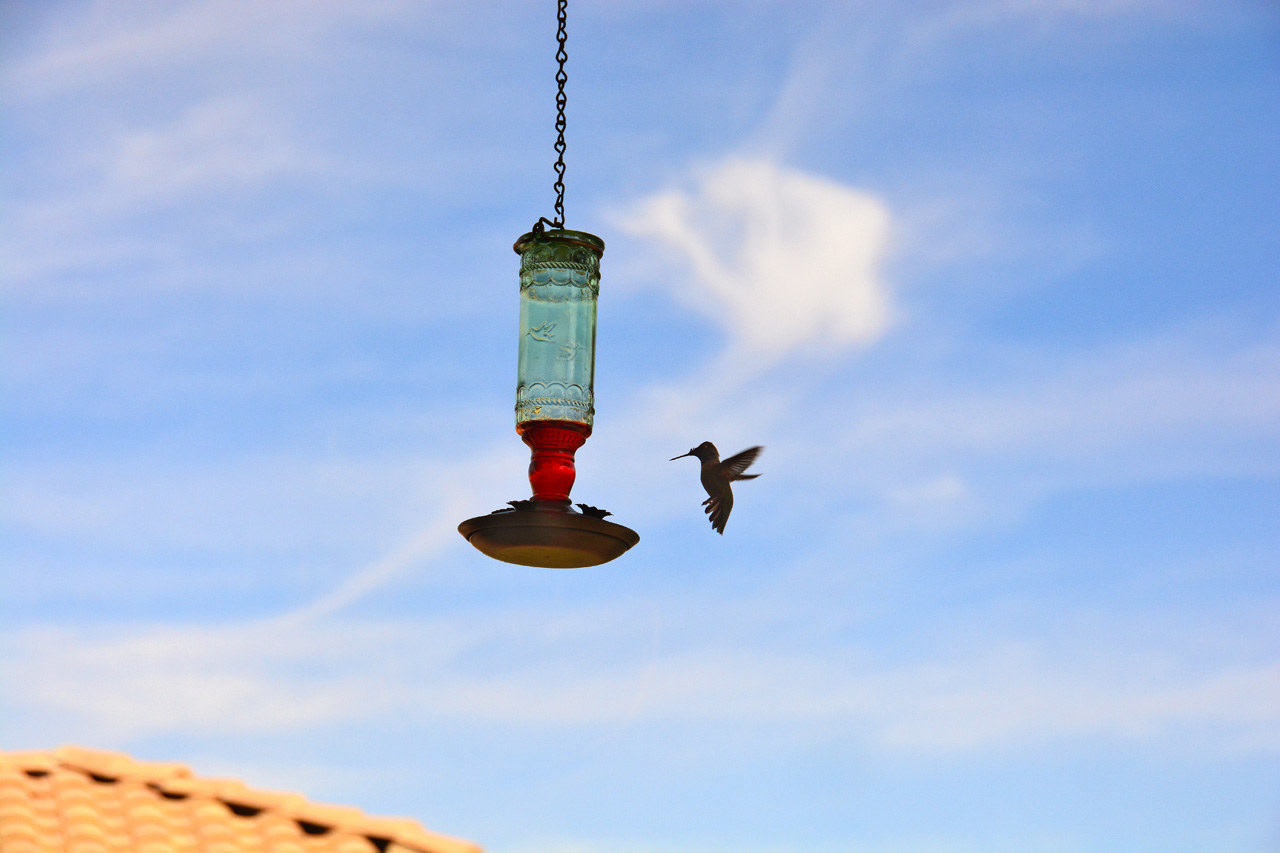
x: 559, y: 285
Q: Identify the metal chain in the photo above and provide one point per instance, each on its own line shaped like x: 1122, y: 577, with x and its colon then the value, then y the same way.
x: 561, y: 78
x: 562, y: 56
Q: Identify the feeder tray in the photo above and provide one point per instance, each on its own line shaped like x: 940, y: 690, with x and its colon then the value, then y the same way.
x: 547, y: 534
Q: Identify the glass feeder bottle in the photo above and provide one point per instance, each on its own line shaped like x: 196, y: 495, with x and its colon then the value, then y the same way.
x: 555, y: 395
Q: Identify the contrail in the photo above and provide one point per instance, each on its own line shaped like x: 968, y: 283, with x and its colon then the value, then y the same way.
x: 434, y: 539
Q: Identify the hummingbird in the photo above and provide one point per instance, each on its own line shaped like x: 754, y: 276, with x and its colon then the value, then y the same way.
x: 716, y: 477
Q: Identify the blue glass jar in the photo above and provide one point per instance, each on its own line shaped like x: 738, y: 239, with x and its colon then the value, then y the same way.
x: 559, y: 286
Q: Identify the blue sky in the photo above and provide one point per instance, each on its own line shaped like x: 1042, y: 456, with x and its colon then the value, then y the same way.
x: 994, y: 282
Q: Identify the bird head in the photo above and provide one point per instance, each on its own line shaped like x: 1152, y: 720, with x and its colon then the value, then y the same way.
x: 703, y: 451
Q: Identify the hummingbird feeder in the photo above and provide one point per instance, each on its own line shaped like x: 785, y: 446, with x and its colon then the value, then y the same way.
x: 555, y: 392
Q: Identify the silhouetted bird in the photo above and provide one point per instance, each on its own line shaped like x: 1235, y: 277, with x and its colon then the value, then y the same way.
x: 716, y: 477
x: 593, y: 511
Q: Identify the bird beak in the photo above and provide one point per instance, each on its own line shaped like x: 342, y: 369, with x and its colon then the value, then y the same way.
x: 681, y: 456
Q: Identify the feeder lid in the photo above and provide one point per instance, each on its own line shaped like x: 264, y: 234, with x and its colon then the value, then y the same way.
x: 561, y: 235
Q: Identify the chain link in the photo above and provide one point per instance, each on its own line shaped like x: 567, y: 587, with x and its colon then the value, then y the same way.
x: 562, y: 56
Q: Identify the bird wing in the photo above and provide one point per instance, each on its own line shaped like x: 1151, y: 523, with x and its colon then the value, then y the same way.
x: 719, y: 507
x: 735, y: 465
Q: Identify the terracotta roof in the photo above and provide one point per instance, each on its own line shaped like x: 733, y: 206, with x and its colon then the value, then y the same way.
x: 76, y: 800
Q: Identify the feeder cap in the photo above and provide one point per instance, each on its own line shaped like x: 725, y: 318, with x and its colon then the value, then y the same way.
x: 561, y: 235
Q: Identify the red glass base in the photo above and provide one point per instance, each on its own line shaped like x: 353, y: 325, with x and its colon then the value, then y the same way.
x: 551, y: 471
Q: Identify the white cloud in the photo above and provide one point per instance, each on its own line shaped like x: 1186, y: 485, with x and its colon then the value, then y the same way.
x: 225, y: 149
x: 783, y: 260
x: 584, y: 668
x: 220, y: 144
x: 938, y: 502
x: 1042, y: 18
x: 1161, y: 407
x: 105, y: 687
x: 108, y: 43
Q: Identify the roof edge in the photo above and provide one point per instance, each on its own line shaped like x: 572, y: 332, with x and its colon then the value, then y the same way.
x: 177, y: 779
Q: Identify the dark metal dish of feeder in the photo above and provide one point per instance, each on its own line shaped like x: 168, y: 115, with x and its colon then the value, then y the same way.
x: 548, y: 534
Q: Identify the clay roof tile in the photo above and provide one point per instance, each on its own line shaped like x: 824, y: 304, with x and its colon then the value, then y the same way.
x: 28, y: 761
x: 212, y: 789
x: 89, y: 801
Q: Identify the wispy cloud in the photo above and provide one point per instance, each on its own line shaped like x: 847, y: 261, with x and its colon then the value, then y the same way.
x: 1040, y: 18
x: 219, y: 145
x: 782, y: 260
x: 434, y: 539
x: 221, y: 151
x: 109, y: 44
x: 1177, y: 402
x: 284, y: 674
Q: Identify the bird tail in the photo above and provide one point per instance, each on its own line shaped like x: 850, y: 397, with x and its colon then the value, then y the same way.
x: 718, y: 507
